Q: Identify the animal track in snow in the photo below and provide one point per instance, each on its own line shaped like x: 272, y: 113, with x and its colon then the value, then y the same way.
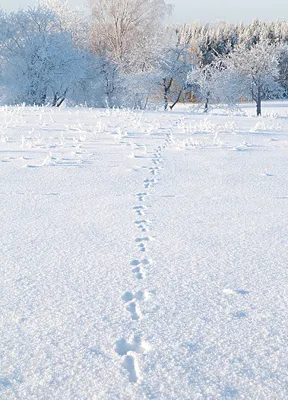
x: 130, y: 349
x: 138, y: 265
x: 234, y: 292
x: 134, y: 310
x: 150, y: 180
x: 133, y: 303
x: 141, y: 196
x: 240, y: 314
x: 140, y: 296
x: 140, y: 210
x: 139, y: 272
x: 144, y: 228
x: 143, y: 239
x: 142, y: 247
x: 142, y: 222
x: 144, y: 261
x: 130, y: 362
x: 137, y: 345
x: 242, y: 291
x: 154, y: 170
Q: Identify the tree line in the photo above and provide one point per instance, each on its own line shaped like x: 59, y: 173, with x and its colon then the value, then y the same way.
x: 122, y: 54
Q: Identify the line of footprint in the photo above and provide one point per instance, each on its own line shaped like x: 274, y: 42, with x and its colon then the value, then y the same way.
x: 130, y: 349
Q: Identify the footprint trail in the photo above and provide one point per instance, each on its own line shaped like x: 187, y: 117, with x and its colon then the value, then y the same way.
x: 131, y: 349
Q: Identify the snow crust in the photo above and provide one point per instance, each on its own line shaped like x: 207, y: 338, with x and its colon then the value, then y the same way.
x: 144, y: 254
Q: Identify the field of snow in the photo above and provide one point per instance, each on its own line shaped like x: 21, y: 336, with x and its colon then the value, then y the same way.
x: 144, y: 255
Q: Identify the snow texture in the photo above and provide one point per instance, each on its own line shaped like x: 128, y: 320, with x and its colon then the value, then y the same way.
x: 144, y: 254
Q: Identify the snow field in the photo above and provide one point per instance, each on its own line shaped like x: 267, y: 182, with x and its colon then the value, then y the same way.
x: 144, y: 254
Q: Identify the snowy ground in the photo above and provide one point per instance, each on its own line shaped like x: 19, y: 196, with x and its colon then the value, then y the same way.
x: 144, y: 255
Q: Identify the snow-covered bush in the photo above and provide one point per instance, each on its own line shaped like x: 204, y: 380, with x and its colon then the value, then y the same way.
x: 39, y: 63
x: 258, y: 70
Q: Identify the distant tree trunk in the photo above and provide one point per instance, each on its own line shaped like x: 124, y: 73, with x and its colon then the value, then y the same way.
x: 166, y: 85
x: 58, y: 100
x: 177, y: 100
x: 44, y: 96
x: 258, y: 103
x: 61, y: 101
x: 165, y: 95
x: 63, y: 97
x: 55, y: 99
x: 146, y: 102
x: 206, y: 103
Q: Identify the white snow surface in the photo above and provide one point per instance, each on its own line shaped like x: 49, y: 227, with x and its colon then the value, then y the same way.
x: 143, y: 254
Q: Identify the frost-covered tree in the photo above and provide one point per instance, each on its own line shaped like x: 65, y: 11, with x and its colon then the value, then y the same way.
x: 22, y: 48
x: 174, y: 63
x: 211, y: 40
x: 203, y: 83
x: 112, y: 83
x: 138, y: 90
x: 283, y: 69
x: 39, y: 62
x: 125, y: 30
x: 229, y: 87
x: 217, y: 83
x: 75, y: 21
x: 122, y: 55
x: 127, y: 35
x: 258, y: 68
x: 90, y: 89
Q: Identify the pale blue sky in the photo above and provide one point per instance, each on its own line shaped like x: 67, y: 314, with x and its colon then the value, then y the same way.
x: 204, y: 10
